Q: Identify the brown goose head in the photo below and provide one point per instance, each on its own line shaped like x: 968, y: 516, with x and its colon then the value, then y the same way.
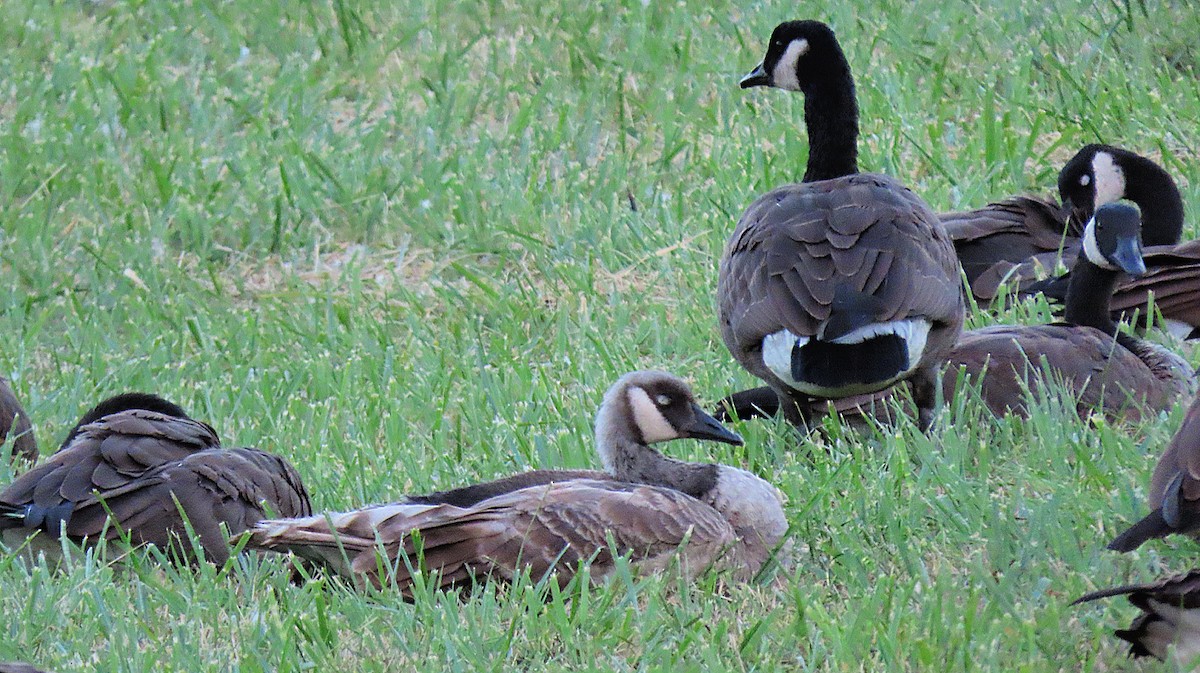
x: 648, y: 407
x: 1100, y: 174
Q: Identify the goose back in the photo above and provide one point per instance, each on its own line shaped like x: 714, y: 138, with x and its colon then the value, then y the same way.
x: 15, y: 425
x: 539, y: 529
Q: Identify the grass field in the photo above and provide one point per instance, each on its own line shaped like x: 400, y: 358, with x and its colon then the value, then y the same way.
x: 409, y: 244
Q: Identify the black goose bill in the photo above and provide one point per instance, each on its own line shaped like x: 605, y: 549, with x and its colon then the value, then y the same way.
x: 881, y: 354
x: 1112, y: 239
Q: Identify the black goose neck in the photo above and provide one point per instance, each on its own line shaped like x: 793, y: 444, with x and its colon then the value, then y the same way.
x: 1089, y: 295
x: 831, y: 117
x: 639, y: 463
x: 1155, y: 193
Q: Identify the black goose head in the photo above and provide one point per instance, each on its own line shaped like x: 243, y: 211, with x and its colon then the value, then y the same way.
x: 1100, y: 174
x: 661, y: 407
x: 800, y: 54
x: 1112, y: 239
x: 125, y: 402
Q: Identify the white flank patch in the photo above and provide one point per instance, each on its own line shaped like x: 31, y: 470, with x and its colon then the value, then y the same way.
x: 1091, y: 249
x: 654, y: 427
x: 1110, y: 179
x: 1177, y: 328
x: 777, y: 352
x: 784, y: 75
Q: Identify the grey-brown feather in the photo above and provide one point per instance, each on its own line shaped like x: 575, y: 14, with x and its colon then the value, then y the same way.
x: 538, y: 529
x: 15, y: 425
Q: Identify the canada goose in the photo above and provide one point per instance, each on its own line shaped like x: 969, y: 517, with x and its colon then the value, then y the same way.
x: 1110, y: 371
x: 14, y: 424
x: 140, y: 467
x: 1020, y: 239
x: 714, y: 513
x: 1106, y: 369
x: 845, y: 283
x: 1170, y: 617
x: 1174, y: 489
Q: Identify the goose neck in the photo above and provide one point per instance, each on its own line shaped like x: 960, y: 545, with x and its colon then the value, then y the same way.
x: 1089, y: 296
x: 831, y: 118
x: 1157, y: 196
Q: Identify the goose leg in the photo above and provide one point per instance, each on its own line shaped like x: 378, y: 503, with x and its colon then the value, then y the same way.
x: 797, y: 409
x: 924, y: 393
x: 747, y: 404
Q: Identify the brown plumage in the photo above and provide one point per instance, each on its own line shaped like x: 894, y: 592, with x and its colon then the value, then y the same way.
x: 1105, y: 371
x: 847, y: 282
x: 646, y: 506
x: 1169, y: 623
x: 1020, y: 240
x: 132, y: 471
x: 15, y: 425
x: 1010, y: 242
x: 1174, y: 489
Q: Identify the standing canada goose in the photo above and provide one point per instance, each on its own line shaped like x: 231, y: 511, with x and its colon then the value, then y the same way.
x: 14, y: 424
x: 1022, y: 238
x: 1107, y: 370
x: 845, y: 283
x: 648, y: 507
x: 1170, y: 617
x: 128, y: 469
x: 1174, y: 489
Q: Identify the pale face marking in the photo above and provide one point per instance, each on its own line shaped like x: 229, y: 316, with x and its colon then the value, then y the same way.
x: 1091, y: 248
x: 1110, y: 179
x: 784, y: 75
x: 650, y: 421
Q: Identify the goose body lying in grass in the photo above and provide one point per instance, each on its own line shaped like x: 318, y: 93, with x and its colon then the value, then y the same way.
x: 655, y: 510
x: 129, y: 467
x: 1174, y: 489
x: 15, y: 426
x: 1168, y: 626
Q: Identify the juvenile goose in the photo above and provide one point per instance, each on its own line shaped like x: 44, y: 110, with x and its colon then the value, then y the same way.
x: 1107, y: 370
x: 1021, y: 238
x: 713, y: 513
x: 1169, y: 624
x: 127, y: 468
x: 14, y: 424
x: 847, y: 282
x: 1174, y: 489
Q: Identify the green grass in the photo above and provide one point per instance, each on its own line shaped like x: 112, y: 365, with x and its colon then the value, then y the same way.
x: 394, y: 242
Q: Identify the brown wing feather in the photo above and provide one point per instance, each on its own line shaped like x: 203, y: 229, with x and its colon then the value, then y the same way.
x: 992, y: 241
x: 795, y: 245
x: 536, y: 529
x: 111, y: 451
x: 1172, y: 277
x: 1104, y: 376
x: 15, y: 425
x: 469, y: 495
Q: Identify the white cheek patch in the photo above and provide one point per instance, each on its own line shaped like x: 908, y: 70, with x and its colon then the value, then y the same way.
x: 649, y: 420
x: 1110, y: 179
x: 1091, y: 249
x: 784, y: 75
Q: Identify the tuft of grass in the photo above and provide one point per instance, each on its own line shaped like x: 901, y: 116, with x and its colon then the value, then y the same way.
x: 408, y: 245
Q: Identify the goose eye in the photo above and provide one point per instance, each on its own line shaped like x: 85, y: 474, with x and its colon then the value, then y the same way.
x: 663, y: 400
x: 1085, y: 180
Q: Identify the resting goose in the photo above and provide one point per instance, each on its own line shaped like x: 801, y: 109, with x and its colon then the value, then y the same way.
x: 14, y: 424
x: 845, y: 283
x: 1021, y: 238
x: 646, y: 506
x: 124, y: 467
x: 1108, y: 371
x: 1174, y: 489
x: 1169, y: 623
